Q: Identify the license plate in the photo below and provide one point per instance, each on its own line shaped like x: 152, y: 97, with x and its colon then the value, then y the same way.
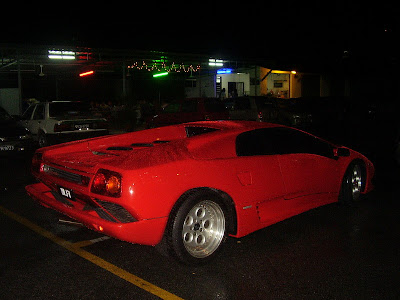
x: 82, y: 126
x: 67, y: 193
x: 7, y: 148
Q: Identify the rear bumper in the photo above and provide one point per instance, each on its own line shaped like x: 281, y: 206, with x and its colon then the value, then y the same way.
x: 145, y: 232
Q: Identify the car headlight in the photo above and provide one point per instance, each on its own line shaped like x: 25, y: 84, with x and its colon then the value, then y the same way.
x: 25, y: 137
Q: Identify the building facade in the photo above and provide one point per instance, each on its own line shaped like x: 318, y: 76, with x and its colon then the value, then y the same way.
x: 257, y: 81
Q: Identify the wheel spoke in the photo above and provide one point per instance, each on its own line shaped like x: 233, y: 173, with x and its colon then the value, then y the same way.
x: 356, y: 182
x: 203, y: 229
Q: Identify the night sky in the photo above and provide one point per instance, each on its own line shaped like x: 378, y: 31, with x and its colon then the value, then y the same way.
x: 292, y: 30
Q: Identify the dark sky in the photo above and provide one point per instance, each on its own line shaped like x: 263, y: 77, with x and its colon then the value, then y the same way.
x: 292, y: 29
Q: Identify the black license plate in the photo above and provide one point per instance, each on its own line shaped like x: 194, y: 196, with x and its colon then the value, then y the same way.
x: 7, y: 148
x: 67, y: 193
x: 82, y: 126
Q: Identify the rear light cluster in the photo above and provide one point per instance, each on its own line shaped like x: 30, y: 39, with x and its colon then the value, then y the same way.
x: 107, y: 183
x: 36, y: 162
x: 260, y: 116
x: 58, y: 127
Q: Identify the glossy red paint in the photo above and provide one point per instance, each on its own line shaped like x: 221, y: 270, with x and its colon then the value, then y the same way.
x: 158, y: 166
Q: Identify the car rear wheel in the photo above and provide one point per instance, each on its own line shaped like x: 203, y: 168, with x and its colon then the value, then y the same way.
x: 352, y: 184
x: 198, y: 228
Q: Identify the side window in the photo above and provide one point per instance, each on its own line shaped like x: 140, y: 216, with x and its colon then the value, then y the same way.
x: 280, y: 140
x: 256, y: 142
x: 294, y: 141
x: 39, y: 112
x: 28, y: 113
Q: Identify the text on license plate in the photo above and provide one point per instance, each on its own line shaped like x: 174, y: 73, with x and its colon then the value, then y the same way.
x: 65, y: 192
x: 7, y: 148
x: 82, y: 126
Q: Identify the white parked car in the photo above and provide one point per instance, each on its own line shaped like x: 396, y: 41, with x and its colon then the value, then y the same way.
x: 62, y: 121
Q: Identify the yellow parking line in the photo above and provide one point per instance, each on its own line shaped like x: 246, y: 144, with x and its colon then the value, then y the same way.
x: 82, y: 244
x: 137, y: 281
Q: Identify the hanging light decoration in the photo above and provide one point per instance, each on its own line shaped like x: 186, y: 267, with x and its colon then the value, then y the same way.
x: 162, y: 67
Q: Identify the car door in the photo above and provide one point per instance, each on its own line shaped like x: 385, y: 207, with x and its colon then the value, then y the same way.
x: 37, y: 118
x: 258, y: 170
x: 27, y: 116
x: 307, y: 164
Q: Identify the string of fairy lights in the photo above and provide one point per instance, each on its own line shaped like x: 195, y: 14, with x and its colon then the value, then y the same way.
x: 163, y: 67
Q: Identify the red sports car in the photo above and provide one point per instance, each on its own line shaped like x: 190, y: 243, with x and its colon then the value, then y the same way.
x: 191, y: 185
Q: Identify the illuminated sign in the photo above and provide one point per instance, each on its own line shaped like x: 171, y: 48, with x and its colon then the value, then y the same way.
x: 215, y: 62
x: 160, y: 74
x: 224, y: 71
x: 61, y: 54
x: 86, y: 73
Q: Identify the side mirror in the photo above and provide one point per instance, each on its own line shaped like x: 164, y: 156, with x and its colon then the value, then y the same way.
x: 342, y: 152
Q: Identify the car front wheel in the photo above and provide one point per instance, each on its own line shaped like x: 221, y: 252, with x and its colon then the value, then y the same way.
x: 352, y: 184
x: 198, y: 228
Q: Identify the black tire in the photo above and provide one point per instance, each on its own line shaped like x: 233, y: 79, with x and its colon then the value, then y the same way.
x: 353, y: 183
x: 197, y: 228
x: 42, y: 139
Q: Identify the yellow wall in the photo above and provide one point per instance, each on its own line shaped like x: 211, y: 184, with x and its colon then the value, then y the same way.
x: 263, y: 84
x: 294, y: 87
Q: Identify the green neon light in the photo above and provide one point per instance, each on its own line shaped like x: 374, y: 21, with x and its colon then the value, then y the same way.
x: 160, y: 74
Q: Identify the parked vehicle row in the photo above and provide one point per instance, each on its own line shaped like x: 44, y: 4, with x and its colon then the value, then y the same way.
x: 189, y: 110
x: 248, y: 108
x: 14, y: 138
x: 62, y: 121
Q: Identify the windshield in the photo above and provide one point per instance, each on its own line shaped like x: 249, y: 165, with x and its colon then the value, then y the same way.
x: 69, y: 109
x: 4, y: 116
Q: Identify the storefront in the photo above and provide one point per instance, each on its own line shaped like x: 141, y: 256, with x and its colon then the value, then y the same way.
x: 224, y: 83
x: 279, y: 84
x: 232, y: 84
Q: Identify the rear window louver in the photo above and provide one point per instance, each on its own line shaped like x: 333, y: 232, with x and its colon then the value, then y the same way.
x: 142, y: 145
x: 120, y: 148
x: 195, y: 130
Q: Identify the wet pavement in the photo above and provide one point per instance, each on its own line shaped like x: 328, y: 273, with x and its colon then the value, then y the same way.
x: 332, y: 252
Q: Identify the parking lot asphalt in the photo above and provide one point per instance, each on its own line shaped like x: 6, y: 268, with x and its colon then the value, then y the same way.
x: 332, y: 252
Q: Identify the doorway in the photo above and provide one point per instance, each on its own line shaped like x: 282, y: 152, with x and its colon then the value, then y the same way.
x: 235, y: 89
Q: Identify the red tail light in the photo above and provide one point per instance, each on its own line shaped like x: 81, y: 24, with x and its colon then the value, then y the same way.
x: 36, y: 162
x: 260, y: 116
x: 107, y: 183
x: 58, y: 127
